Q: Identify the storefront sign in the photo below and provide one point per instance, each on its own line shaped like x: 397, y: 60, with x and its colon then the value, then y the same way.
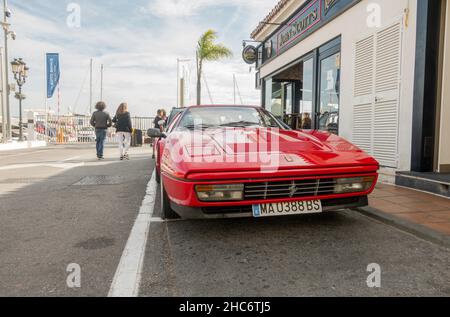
x: 310, y: 17
x: 304, y: 21
x: 250, y: 54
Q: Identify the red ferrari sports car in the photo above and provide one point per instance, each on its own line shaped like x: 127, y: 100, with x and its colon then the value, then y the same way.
x: 241, y: 161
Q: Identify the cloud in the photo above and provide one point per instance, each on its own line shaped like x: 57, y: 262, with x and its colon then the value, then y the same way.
x: 185, y: 8
x: 174, y: 8
x: 139, y: 53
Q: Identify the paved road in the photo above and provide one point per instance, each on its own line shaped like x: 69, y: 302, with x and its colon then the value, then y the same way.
x: 324, y: 255
x: 50, y: 217
x: 48, y: 222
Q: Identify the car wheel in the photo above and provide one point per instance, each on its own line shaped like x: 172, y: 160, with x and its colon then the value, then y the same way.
x: 167, y: 211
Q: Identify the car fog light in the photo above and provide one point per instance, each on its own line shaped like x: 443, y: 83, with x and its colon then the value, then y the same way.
x: 353, y: 185
x: 233, y: 192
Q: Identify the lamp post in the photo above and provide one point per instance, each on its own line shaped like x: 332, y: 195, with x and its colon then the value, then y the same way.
x: 20, y: 71
x: 6, y: 126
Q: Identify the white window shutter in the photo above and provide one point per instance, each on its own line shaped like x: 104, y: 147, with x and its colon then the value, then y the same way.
x: 376, y: 94
x: 387, y: 90
x: 363, y: 93
x: 364, y: 67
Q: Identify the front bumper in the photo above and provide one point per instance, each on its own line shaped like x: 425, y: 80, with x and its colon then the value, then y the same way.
x: 246, y: 211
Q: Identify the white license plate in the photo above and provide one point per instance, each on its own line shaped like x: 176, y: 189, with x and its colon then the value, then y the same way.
x: 287, y: 208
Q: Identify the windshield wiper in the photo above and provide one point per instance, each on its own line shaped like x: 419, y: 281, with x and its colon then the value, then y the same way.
x: 199, y: 126
x: 240, y: 124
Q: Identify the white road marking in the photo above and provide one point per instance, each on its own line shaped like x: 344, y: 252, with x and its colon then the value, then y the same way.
x: 71, y: 159
x: 127, y: 279
x: 157, y: 219
x: 160, y: 220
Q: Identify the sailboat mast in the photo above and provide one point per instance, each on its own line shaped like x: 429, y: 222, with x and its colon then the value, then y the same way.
x: 234, y: 88
x: 90, y: 87
x: 101, y: 82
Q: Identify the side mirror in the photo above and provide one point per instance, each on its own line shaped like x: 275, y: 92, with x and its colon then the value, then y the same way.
x: 155, y: 133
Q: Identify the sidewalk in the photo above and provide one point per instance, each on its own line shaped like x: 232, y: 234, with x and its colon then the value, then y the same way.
x: 21, y: 145
x: 420, y: 213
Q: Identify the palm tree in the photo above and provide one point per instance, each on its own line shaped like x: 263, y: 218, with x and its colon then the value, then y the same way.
x: 208, y: 50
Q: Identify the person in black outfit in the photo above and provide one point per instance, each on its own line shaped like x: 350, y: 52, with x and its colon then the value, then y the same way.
x: 159, y: 118
x: 124, y: 129
x: 101, y: 121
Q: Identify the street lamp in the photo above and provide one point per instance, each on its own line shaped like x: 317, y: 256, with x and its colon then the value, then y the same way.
x: 6, y: 115
x: 20, y: 71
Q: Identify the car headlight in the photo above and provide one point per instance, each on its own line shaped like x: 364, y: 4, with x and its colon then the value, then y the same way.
x: 353, y: 185
x: 234, y: 192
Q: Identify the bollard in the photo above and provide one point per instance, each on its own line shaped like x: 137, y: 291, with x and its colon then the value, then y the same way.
x: 31, y: 127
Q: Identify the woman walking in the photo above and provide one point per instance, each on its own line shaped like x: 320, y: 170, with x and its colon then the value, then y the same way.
x: 101, y: 121
x: 124, y: 128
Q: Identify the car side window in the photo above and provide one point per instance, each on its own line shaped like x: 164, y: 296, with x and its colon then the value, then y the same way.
x: 174, y: 122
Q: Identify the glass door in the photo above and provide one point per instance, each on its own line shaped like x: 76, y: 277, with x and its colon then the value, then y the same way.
x: 288, y: 99
x: 306, y: 93
x: 329, y: 92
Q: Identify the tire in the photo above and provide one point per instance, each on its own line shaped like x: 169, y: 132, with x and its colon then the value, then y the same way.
x: 158, y: 177
x: 167, y: 211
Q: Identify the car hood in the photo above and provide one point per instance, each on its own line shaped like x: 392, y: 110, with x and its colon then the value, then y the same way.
x: 259, y: 148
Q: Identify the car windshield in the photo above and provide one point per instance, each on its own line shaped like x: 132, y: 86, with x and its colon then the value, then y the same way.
x: 238, y: 117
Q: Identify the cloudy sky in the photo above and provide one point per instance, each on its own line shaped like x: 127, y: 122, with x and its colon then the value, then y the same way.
x: 138, y: 41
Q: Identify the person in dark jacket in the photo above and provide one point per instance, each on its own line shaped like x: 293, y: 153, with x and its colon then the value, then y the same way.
x: 158, y: 120
x: 101, y: 121
x: 124, y: 129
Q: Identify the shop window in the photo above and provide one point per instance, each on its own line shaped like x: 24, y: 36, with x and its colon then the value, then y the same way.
x: 289, y: 98
x: 268, y: 94
x: 274, y: 97
x: 277, y: 99
x: 329, y: 98
x: 306, y: 94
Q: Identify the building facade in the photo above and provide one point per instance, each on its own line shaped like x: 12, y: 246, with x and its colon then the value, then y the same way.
x: 374, y: 72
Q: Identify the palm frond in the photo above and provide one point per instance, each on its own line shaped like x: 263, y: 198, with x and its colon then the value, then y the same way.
x: 208, y: 50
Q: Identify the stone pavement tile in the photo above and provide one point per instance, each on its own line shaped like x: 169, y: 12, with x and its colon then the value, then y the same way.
x: 424, y: 207
x: 383, y: 186
x: 379, y: 193
x: 441, y: 227
x: 416, y: 207
x: 427, y: 218
x: 387, y: 206
x: 442, y: 216
x: 440, y: 201
x: 405, y: 199
x: 427, y: 210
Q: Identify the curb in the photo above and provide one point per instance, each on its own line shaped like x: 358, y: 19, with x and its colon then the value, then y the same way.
x: 416, y: 229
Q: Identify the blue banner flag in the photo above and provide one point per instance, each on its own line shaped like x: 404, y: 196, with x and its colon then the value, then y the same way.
x: 53, y: 73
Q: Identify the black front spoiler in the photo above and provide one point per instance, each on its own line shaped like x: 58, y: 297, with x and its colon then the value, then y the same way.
x: 246, y: 211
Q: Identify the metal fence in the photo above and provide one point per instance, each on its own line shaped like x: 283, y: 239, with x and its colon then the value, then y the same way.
x: 77, y: 129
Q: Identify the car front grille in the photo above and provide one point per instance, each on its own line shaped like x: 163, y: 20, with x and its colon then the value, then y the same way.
x: 289, y: 189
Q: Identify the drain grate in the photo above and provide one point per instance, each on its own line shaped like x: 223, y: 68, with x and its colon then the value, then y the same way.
x: 99, y: 180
